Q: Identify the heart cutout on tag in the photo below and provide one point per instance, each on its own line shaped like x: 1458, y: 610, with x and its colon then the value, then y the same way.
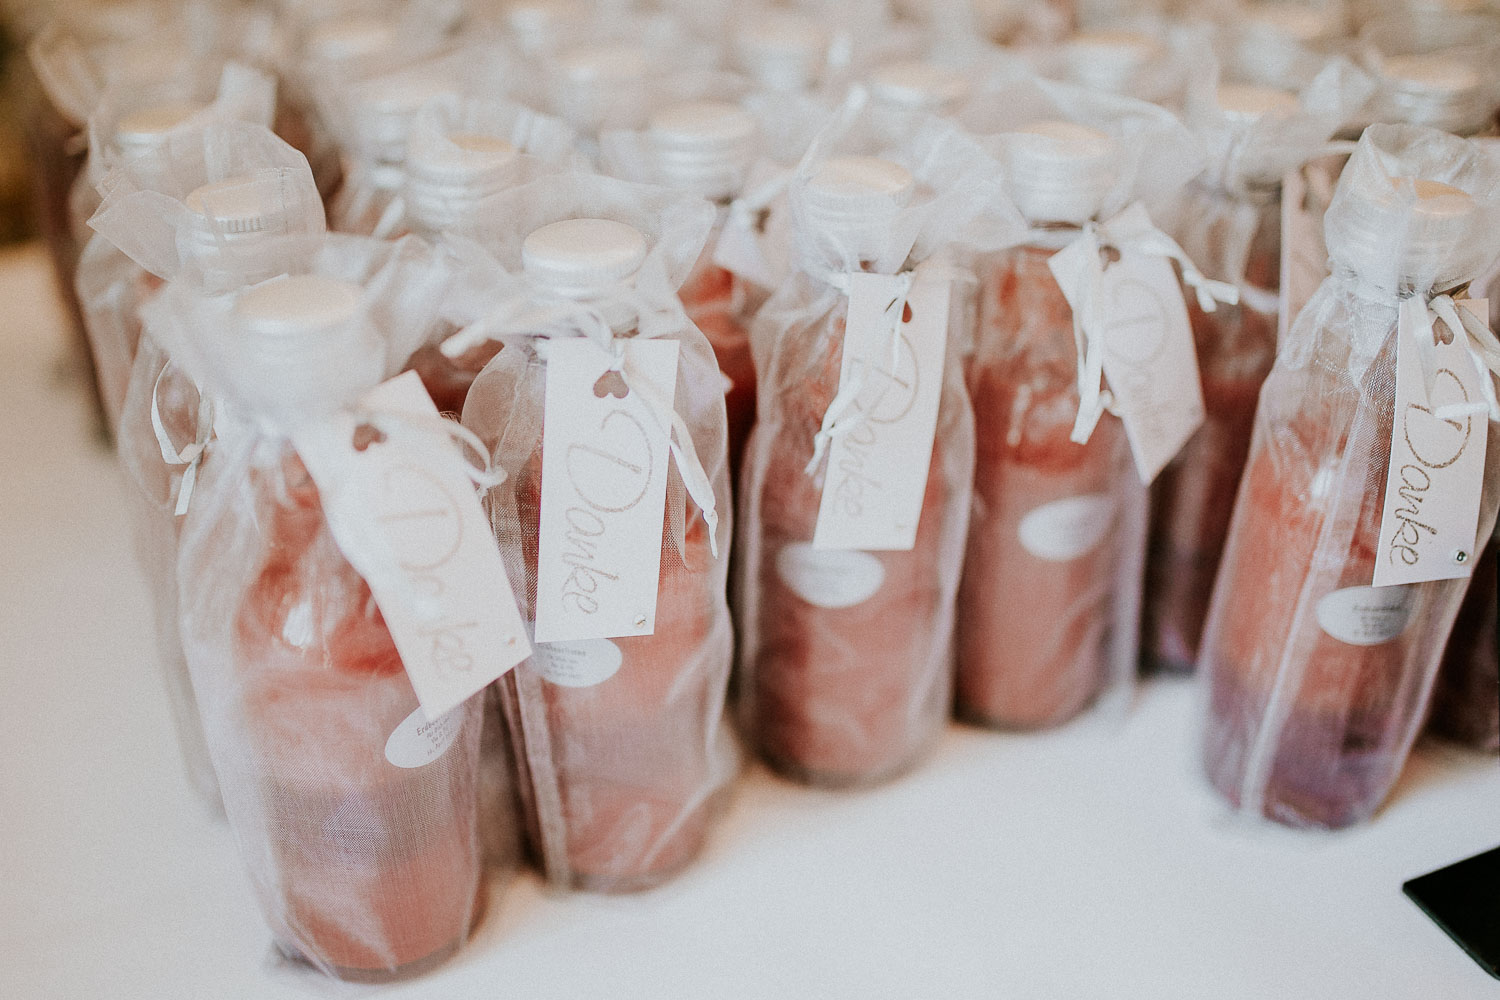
x: 906, y: 313
x: 1110, y: 255
x: 611, y: 383
x: 366, y: 435
x: 1440, y: 332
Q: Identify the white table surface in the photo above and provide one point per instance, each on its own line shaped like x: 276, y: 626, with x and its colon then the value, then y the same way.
x: 1090, y: 862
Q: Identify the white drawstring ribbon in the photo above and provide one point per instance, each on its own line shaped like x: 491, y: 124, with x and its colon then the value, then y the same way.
x: 1131, y: 232
x: 483, y: 474
x: 841, y: 417
x: 570, y: 318
x: 1418, y: 314
x: 190, y: 454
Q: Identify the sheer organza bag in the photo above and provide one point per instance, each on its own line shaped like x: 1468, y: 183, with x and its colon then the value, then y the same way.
x: 134, y: 119
x: 371, y: 118
x: 1317, y: 679
x: 1048, y: 612
x: 213, y: 201
x: 846, y: 622
x: 620, y: 730
x: 706, y: 134
x: 461, y: 152
x: 355, y: 815
x: 1228, y: 221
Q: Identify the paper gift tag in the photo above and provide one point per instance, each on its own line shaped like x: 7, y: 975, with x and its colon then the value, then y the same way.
x: 403, y: 511
x: 604, y: 490
x: 1150, y: 362
x: 1131, y: 305
x: 877, y: 470
x: 1436, y: 475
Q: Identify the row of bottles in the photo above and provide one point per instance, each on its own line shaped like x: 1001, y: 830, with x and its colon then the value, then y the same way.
x: 982, y: 353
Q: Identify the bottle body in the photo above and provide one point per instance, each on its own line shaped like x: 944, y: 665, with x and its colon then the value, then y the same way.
x: 1054, y: 527
x: 110, y: 290
x: 1466, y: 701
x: 155, y: 384
x: 356, y: 819
x: 716, y: 302
x: 1193, y: 497
x: 1317, y: 682
x: 846, y: 662
x: 620, y: 743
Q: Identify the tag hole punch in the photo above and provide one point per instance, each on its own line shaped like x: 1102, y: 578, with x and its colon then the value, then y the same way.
x: 906, y: 313
x: 366, y: 435
x: 1110, y: 255
x: 1441, y: 334
x: 611, y: 383
x: 1460, y: 557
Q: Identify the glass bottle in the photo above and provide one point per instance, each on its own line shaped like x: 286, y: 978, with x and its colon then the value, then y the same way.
x: 1049, y: 530
x: 621, y: 776
x: 706, y: 147
x: 845, y: 654
x: 1193, y: 497
x: 366, y: 861
x: 1466, y: 699
x: 1317, y: 682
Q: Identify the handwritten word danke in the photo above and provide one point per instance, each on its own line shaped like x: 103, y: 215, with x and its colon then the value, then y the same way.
x: 1436, y: 444
x: 608, y: 476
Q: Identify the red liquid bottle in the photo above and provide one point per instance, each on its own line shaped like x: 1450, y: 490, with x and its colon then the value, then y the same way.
x: 1193, y: 497
x: 622, y: 746
x: 706, y: 147
x: 444, y: 185
x: 1317, y: 681
x: 1466, y: 700
x: 1050, y: 529
x: 846, y: 654
x: 354, y: 814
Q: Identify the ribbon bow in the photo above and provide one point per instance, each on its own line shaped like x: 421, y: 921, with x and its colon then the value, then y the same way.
x: 540, y: 320
x: 841, y: 416
x: 190, y: 454
x: 1131, y: 232
x: 1418, y: 313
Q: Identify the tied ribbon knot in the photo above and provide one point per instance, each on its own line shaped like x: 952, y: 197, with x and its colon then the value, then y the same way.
x: 1418, y: 314
x: 842, y: 416
x: 1130, y: 233
x: 540, y: 319
x: 482, y: 474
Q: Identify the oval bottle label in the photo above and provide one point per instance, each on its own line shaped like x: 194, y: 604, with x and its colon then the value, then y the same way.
x: 419, y: 741
x: 829, y: 578
x: 577, y: 663
x: 1067, y: 529
x: 1366, y: 616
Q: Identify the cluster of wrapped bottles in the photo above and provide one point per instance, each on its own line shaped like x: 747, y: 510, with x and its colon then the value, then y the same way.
x: 276, y: 207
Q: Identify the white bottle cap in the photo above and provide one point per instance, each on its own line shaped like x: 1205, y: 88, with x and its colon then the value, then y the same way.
x: 782, y: 50
x: 1298, y: 22
x: 385, y: 109
x: 147, y: 128
x: 583, y: 258
x: 307, y: 341
x: 1059, y: 171
x: 229, y: 212
x: 342, y: 40
x: 854, y: 200
x: 1440, y: 89
x: 1248, y: 103
x: 538, y: 25
x: 705, y: 147
x: 917, y: 85
x: 603, y: 64
x: 446, y: 181
x: 1110, y: 61
x: 1379, y: 221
